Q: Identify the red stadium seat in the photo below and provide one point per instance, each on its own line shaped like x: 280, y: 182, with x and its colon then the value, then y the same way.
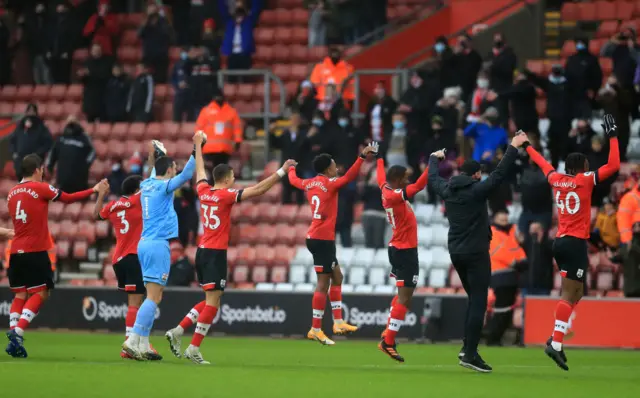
x: 136, y: 131
x: 279, y: 274
x: 264, y: 36
x: 568, y: 49
x: 72, y: 211
x: 607, y: 29
x: 283, y: 71
x: 169, y: 130
x: 6, y: 108
x: 299, y: 35
x: 268, y: 18
x: 25, y: 93
x: 102, y: 131
x: 80, y: 249
x: 129, y: 38
x: 259, y: 274
x: 300, y: 17
x: 281, y: 53
x: 58, y: 92
x: 267, y: 213
x: 102, y: 229
x: 87, y: 231
x: 55, y: 210
x: 53, y: 110
x: 246, y: 255
x: 74, y: 92
x: 588, y: 12
x: 244, y: 92
x: 570, y: 11
x: 5, y: 187
x: 288, y: 213
x: 248, y: 234
x: 54, y: 229
x: 301, y: 233
x: 70, y: 108
x: 286, y: 234
x: 283, y: 253
x: 266, y: 235
x: 304, y: 214
x: 62, y: 248
x: 119, y: 131
x: 41, y: 93
x: 187, y: 130
x: 9, y: 93
x: 240, y: 274
x: 101, y: 148
x: 605, y: 10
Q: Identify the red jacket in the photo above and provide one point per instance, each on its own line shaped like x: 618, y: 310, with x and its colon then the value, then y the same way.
x: 102, y: 30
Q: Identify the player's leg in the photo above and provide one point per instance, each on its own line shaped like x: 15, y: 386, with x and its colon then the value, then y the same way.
x: 461, y: 269
x: 205, y: 319
x: 394, y: 300
x: 335, y: 297
x: 19, y: 299
x: 324, y: 261
x: 18, y: 286
x: 174, y: 335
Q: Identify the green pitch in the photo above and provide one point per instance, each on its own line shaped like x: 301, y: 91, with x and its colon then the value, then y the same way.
x: 88, y: 365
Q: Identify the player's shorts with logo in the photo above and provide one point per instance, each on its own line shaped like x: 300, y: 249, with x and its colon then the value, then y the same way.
x: 155, y: 260
x: 405, y: 267
x: 30, y: 272
x: 129, y: 274
x: 211, y: 267
x: 572, y: 257
x: 324, y: 255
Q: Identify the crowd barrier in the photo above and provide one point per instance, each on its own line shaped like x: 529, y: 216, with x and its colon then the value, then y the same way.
x: 602, y: 322
x: 248, y: 313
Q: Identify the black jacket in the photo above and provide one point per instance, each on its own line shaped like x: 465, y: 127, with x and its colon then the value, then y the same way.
x: 36, y: 29
x: 203, y: 81
x: 387, y: 108
x: 522, y: 97
x: 296, y: 149
x: 348, y: 141
x: 539, y: 274
x: 305, y: 105
x: 468, y: 66
x: 466, y: 204
x: 181, y: 273
x: 116, y: 96
x: 23, y: 142
x: 95, y: 84
x: 422, y: 101
x: 584, y: 73
x: 140, y: 102
x: 501, y: 70
x: 63, y: 36
x: 536, y: 191
x: 156, y: 39
x: 74, y: 153
x: 558, y: 96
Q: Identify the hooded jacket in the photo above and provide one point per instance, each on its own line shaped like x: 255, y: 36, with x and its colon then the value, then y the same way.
x: 74, y: 153
x: 466, y: 204
x: 36, y: 139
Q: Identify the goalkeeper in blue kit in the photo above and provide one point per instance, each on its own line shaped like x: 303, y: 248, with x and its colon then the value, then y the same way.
x: 159, y: 225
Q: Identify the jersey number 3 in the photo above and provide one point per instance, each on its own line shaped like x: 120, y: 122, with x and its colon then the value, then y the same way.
x: 566, y: 204
x: 123, y: 221
x: 211, y: 221
x: 20, y: 213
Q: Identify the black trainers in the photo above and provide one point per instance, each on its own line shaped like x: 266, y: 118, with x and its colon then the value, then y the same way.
x: 476, y: 363
x: 556, y: 356
x: 390, y: 350
x: 562, y: 354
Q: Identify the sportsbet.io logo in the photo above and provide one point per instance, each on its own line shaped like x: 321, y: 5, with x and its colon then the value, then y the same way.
x: 93, y: 309
x: 360, y: 318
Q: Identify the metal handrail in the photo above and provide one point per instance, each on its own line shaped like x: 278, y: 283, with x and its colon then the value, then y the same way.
x: 410, y: 59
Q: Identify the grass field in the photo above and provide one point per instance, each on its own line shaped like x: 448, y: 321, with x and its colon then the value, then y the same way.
x: 88, y: 365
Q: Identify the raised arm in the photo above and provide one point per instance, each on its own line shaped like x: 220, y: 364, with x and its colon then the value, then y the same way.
x: 266, y: 184
x: 484, y: 188
x: 540, y: 161
x: 294, y: 179
x: 353, y: 171
x: 185, y: 175
x: 438, y: 184
x: 613, y: 164
x: 380, y: 173
x: 198, y: 141
x: 98, y: 209
x: 78, y: 196
x: 419, y: 185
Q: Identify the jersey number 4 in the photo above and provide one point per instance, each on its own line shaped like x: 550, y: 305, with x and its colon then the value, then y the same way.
x: 211, y: 221
x: 20, y: 213
x: 566, y: 204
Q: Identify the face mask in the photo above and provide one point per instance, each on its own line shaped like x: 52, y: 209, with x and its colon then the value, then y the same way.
x: 556, y: 79
x: 581, y: 46
x: 398, y: 124
x: 439, y: 47
x: 115, y: 167
x: 482, y: 83
x: 135, y: 169
x: 343, y: 123
x: 317, y: 122
x: 183, y: 55
x: 483, y: 177
x: 498, y: 43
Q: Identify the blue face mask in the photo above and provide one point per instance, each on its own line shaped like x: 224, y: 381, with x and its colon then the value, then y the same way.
x: 183, y: 55
x: 580, y: 46
x: 483, y: 177
x: 135, y: 169
x: 343, y: 122
x: 439, y: 47
x: 317, y: 122
x: 398, y: 124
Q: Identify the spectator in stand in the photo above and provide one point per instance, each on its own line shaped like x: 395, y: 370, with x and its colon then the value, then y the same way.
x: 292, y: 143
x: 346, y: 202
x: 155, y: 34
x: 557, y: 89
x: 322, y: 136
x: 333, y: 70
x: 95, y: 76
x: 200, y: 11
x: 30, y: 136
x: 182, y: 271
x: 623, y: 50
x: 187, y: 211
x: 62, y: 41
x: 446, y: 61
x: 223, y: 127
x: 182, y: 93
x: 374, y: 217
x: 418, y: 101
x: 598, y: 157
x: 117, y: 96
x: 210, y: 37
x: 538, y: 277
x: 605, y: 233
x: 348, y: 140
x: 238, y: 43
x: 481, y: 98
x: 580, y: 138
x: 628, y: 218
x: 5, y: 54
x: 102, y: 28
x: 522, y: 97
x: 451, y: 109
x: 117, y: 177
x: 319, y: 15
x: 618, y: 101
x: 488, y: 136
x: 506, y: 255
x: 468, y: 63
x: 305, y: 101
x: 332, y: 104
x: 502, y: 63
x: 140, y: 102
x: 378, y: 122
x: 203, y: 81
x: 441, y: 137
x: 74, y: 153
x: 348, y: 13
x: 36, y: 28
x: 536, y: 197
x: 584, y: 75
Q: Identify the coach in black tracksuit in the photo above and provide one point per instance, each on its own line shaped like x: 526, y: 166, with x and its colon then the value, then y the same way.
x: 465, y: 198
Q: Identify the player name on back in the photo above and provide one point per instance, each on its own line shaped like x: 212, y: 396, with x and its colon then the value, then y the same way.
x: 318, y: 184
x: 564, y: 184
x: 23, y: 190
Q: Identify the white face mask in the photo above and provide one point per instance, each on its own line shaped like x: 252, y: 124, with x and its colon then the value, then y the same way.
x: 482, y: 83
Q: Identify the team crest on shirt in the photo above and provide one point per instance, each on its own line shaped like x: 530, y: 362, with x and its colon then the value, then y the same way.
x: 165, y: 277
x: 333, y: 265
x: 223, y: 282
x: 52, y: 188
x: 415, y: 279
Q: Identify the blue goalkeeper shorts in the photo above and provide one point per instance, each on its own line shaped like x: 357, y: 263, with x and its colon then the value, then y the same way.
x: 155, y: 259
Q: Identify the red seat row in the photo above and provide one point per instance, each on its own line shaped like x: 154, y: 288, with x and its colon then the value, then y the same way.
x: 600, y: 10
x: 284, y: 17
x: 28, y: 93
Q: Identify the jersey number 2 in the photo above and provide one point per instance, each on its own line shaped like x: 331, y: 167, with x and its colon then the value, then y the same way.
x: 123, y: 220
x: 566, y: 205
x: 20, y: 214
x: 211, y: 221
x: 315, y: 201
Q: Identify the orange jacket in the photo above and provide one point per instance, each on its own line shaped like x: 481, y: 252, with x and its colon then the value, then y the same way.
x: 608, y: 226
x: 223, y: 128
x: 504, y: 250
x: 53, y: 257
x: 326, y: 72
x: 628, y: 214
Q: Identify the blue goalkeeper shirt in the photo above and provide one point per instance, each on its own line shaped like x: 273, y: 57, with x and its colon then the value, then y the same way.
x: 159, y: 218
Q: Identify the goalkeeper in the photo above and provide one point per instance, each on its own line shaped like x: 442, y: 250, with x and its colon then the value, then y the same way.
x: 159, y: 225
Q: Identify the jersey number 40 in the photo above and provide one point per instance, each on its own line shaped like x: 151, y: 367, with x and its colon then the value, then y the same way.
x: 566, y: 203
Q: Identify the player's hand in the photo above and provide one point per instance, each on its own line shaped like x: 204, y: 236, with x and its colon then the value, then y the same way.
x: 609, y: 125
x: 158, y: 149
x: 199, y: 138
x: 439, y: 154
x: 519, y: 139
x: 100, y: 185
x: 372, y: 148
x: 288, y: 164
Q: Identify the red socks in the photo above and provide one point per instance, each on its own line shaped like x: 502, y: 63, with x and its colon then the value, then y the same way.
x: 563, y: 314
x: 30, y: 310
x: 335, y: 296
x: 193, y: 315
x: 205, y: 319
x: 130, y: 319
x: 15, y: 311
x: 398, y: 312
x: 318, y: 304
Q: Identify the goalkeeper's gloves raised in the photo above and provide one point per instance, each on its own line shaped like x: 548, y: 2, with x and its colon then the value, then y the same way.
x: 609, y: 125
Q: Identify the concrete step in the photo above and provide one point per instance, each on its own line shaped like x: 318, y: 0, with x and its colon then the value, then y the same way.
x: 90, y: 267
x: 67, y: 276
